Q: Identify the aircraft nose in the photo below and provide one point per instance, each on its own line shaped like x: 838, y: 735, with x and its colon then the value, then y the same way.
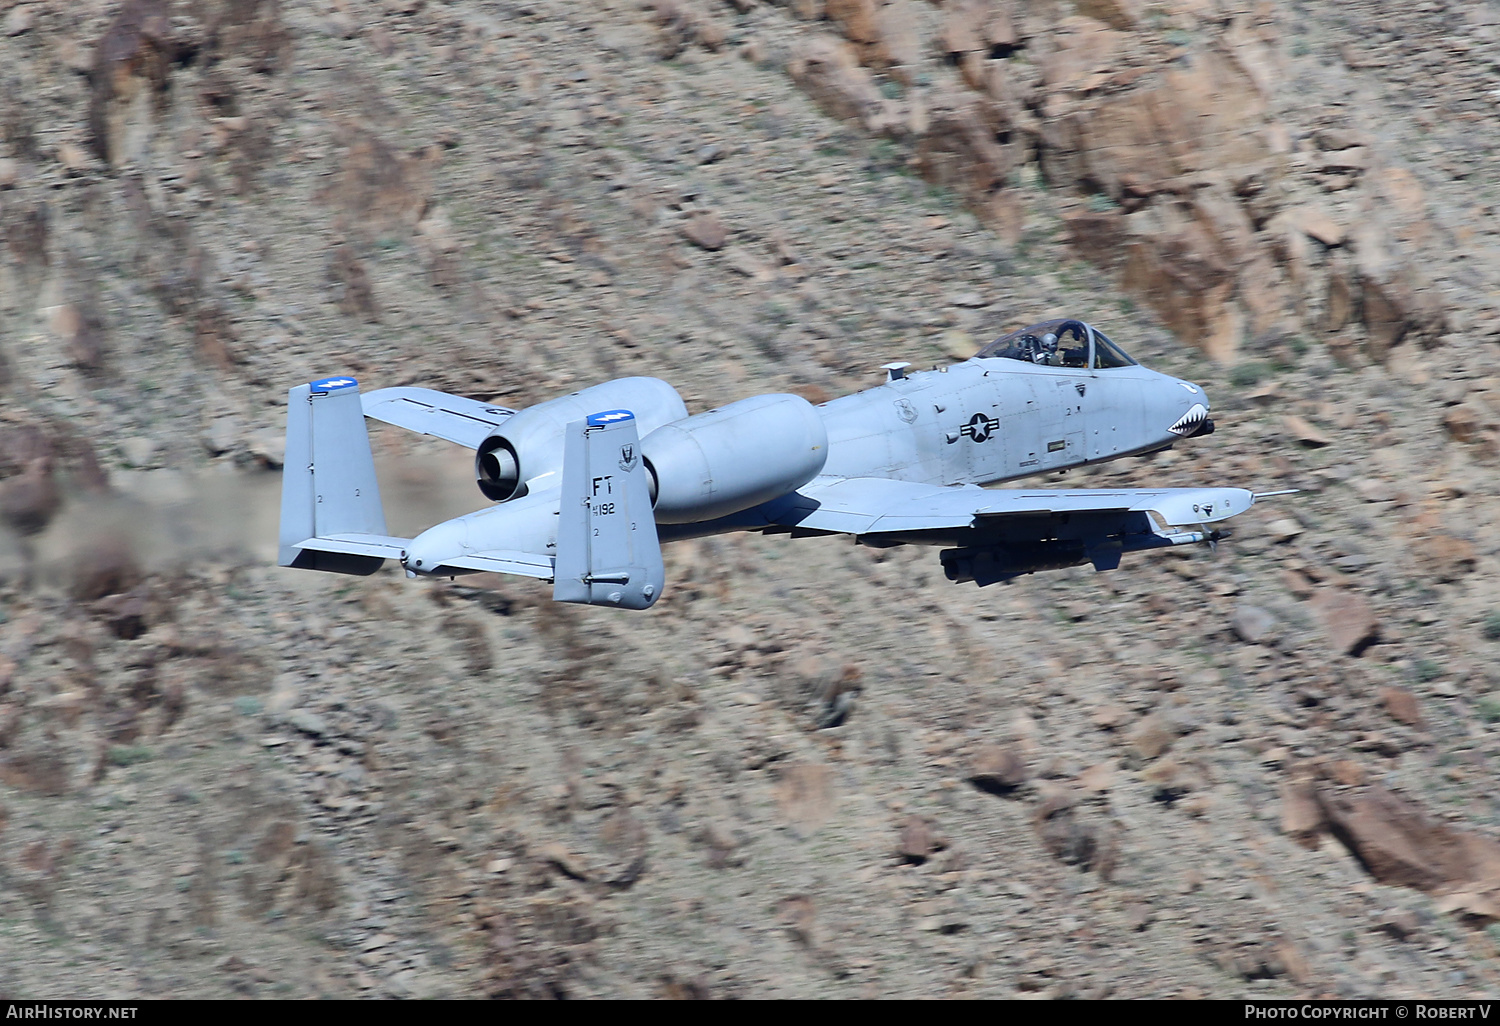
x: 1193, y: 393
x: 1193, y: 419
x: 439, y: 543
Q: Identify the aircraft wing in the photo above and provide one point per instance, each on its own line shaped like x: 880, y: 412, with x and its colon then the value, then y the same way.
x: 430, y: 412
x: 379, y: 546
x: 879, y: 505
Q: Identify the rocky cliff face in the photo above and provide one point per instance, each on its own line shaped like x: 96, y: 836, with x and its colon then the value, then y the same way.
x: 1182, y: 145
x: 812, y: 769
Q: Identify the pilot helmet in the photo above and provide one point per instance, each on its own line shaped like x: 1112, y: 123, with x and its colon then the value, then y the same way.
x: 1049, y: 343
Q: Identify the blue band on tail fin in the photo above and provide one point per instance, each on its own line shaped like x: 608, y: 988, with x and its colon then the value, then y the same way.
x: 332, y: 384
x: 609, y: 417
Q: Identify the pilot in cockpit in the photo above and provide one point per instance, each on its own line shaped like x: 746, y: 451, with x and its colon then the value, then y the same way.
x: 1061, y: 342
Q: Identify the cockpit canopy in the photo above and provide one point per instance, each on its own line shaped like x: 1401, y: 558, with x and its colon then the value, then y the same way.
x: 1058, y: 343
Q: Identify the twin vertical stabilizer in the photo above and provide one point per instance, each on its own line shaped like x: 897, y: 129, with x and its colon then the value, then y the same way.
x: 331, y: 517
x: 607, y: 550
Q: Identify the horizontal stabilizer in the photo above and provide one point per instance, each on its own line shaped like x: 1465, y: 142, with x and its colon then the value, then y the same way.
x: 453, y: 418
x: 500, y: 561
x: 378, y: 545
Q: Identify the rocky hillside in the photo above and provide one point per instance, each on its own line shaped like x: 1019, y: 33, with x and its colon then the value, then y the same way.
x: 812, y: 769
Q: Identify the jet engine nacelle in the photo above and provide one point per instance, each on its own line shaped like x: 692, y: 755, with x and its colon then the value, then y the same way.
x: 735, y: 457
x: 529, y: 445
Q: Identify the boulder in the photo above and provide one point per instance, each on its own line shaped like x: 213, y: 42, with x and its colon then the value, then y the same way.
x: 1284, y: 530
x: 1305, y: 433
x: 1151, y: 738
x: 706, y: 231
x: 1348, y: 620
x: 828, y: 70
x: 1402, y: 706
x: 997, y: 769
x: 1189, y: 120
x: 30, y: 499
x: 898, y: 45
x: 917, y: 841
x: 960, y: 148
x: 1252, y: 624
x: 1445, y: 557
x: 1464, y: 422
x: 1188, y: 289
x: 1302, y: 818
x: 1075, y: 838
x: 1395, y: 299
x: 1119, y: 14
x: 1397, y: 843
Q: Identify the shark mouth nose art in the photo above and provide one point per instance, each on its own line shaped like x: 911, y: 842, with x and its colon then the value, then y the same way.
x: 1191, y: 422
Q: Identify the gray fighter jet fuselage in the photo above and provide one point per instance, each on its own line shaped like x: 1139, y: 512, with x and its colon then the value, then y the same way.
x: 896, y: 464
x: 993, y: 420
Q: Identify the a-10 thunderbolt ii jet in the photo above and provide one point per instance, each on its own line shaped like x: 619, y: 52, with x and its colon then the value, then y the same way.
x: 585, y: 488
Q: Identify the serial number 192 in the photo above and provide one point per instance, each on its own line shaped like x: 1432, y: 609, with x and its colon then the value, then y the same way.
x: 604, y: 509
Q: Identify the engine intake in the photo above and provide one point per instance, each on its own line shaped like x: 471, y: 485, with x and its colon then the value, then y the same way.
x: 735, y: 457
